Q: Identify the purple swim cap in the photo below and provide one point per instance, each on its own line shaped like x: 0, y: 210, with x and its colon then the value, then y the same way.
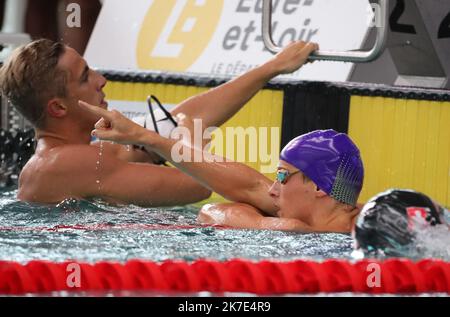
x: 329, y: 159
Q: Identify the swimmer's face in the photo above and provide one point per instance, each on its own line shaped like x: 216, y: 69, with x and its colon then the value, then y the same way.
x: 82, y: 84
x: 296, y: 197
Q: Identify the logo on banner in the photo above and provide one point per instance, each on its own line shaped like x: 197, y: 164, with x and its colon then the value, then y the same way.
x: 175, y: 33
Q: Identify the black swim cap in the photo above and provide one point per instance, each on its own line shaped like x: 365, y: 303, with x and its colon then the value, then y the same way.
x: 387, y: 221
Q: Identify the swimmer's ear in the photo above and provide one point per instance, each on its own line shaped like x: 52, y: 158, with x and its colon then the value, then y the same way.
x: 320, y: 193
x: 56, y: 109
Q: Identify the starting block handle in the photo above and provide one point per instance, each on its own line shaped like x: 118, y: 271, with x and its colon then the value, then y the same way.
x: 355, y: 56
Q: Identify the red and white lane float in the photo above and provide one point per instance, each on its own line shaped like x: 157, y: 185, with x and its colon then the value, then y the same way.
x: 262, y: 278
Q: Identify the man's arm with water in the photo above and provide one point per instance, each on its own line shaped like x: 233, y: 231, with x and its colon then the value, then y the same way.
x: 217, y: 105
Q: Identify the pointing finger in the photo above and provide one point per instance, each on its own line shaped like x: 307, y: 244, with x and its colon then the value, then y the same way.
x: 102, y: 124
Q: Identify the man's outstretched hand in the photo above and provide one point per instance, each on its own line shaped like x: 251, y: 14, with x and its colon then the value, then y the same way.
x: 293, y: 56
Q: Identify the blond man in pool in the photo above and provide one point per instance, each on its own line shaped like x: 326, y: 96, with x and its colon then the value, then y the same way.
x: 45, y: 80
x: 319, y: 178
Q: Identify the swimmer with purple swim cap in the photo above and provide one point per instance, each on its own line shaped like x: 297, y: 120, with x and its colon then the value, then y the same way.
x: 331, y: 160
x: 330, y: 177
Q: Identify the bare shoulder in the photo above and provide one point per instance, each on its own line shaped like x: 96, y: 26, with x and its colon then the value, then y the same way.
x: 79, y: 157
x: 58, y: 158
x: 244, y: 216
x: 62, y: 172
x: 236, y: 215
x: 71, y: 153
x: 235, y: 208
x: 287, y: 224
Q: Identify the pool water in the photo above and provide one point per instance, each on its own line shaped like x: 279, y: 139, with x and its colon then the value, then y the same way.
x: 95, y: 231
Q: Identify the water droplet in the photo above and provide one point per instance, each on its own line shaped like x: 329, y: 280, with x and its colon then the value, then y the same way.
x: 100, y: 153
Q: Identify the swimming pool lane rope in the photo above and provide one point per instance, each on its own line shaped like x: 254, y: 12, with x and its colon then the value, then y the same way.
x: 263, y: 278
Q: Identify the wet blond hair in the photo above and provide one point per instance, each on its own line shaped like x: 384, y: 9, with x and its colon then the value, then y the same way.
x: 31, y: 77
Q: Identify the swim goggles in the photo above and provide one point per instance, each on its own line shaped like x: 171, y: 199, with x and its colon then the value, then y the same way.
x: 152, y: 115
x: 283, y: 175
x: 164, y: 110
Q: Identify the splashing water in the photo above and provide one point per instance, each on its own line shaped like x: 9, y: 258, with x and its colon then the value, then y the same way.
x: 433, y: 242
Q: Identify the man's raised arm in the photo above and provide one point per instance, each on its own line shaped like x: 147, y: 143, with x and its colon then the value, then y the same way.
x: 218, y: 105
